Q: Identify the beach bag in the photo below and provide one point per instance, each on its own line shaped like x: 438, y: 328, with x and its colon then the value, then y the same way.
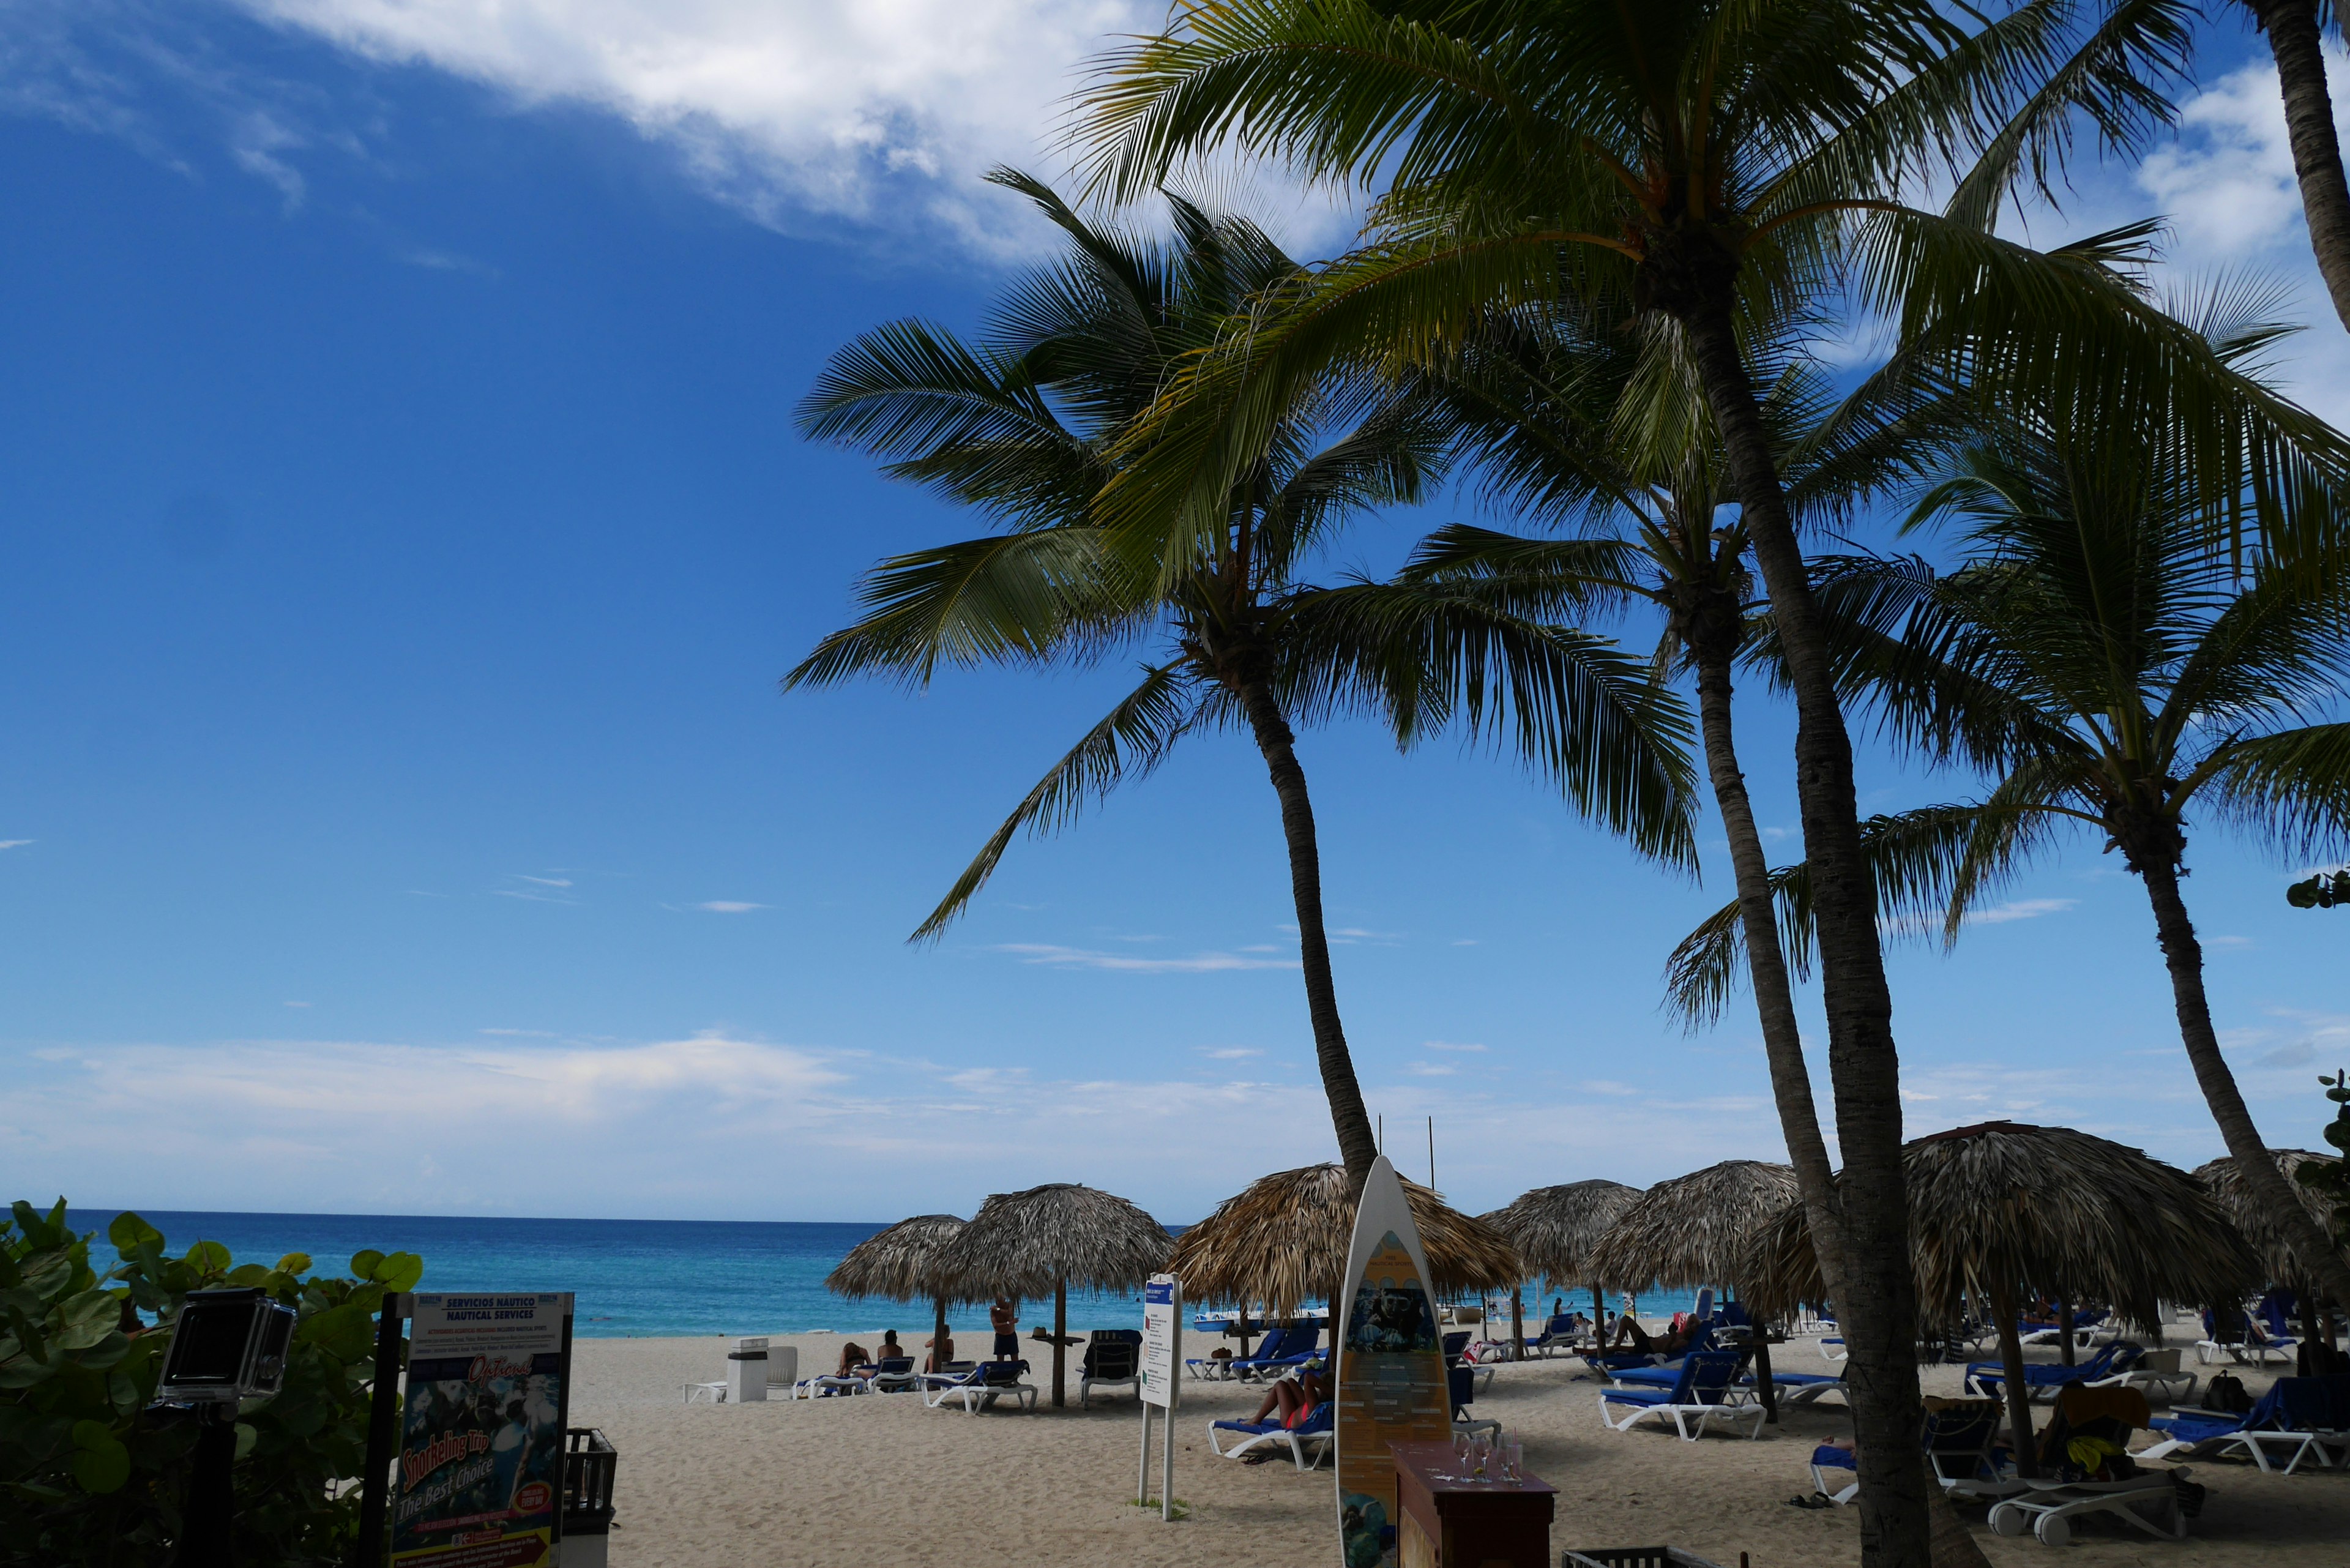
x: 2226, y: 1392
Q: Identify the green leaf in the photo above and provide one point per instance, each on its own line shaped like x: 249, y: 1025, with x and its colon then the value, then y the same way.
x: 364, y: 1264
x: 248, y: 1434
x: 128, y: 1230
x: 247, y: 1274
x: 208, y: 1257
x: 399, y: 1272
x: 293, y: 1264
x: 100, y: 1462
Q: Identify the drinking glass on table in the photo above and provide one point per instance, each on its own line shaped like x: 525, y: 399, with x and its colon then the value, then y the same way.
x: 1479, y: 1453
x: 1514, y: 1462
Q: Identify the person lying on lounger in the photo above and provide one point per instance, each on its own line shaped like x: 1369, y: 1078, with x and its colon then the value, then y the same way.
x: 852, y: 1355
x: 1293, y: 1400
x: 1672, y: 1341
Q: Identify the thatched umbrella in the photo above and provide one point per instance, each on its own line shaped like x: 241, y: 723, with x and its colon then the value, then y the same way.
x: 2004, y: 1210
x: 906, y: 1263
x: 1040, y: 1241
x: 1700, y: 1229
x: 1555, y: 1229
x: 2271, y: 1241
x: 1284, y: 1240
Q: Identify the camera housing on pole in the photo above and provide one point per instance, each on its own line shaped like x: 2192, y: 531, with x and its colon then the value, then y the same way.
x: 227, y: 1346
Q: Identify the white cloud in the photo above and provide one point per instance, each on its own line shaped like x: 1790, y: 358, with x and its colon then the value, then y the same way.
x: 1450, y: 1045
x: 2020, y: 910
x: 14, y: 843
x: 1057, y: 957
x: 548, y: 881
x: 834, y: 107
x: 2227, y: 184
x: 1230, y: 1053
x: 1432, y: 1069
x: 729, y: 907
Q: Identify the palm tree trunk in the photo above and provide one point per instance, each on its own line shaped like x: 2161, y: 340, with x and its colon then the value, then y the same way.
x: 1357, y: 1145
x: 2291, y: 27
x: 1712, y: 646
x: 2184, y: 957
x: 1877, y: 1303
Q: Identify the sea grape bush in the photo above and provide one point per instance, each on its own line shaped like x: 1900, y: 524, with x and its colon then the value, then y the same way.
x: 91, y: 1474
x: 2332, y: 1181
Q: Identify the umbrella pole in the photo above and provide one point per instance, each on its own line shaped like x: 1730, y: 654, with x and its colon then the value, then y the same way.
x: 1518, y: 1324
x: 2065, y: 1329
x: 1060, y: 1342
x: 2019, y: 1393
x: 1598, y: 1317
x: 939, y: 1357
x: 1764, y: 1390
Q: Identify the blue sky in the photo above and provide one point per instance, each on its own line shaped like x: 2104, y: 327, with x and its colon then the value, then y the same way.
x: 405, y: 532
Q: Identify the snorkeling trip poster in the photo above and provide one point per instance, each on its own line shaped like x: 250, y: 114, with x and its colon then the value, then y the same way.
x: 1391, y: 1380
x: 480, y: 1431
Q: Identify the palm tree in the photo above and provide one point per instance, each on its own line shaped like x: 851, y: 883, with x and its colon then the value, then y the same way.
x: 2298, y: 46
x: 1593, y: 425
x: 1715, y: 164
x: 2106, y: 662
x: 1027, y: 425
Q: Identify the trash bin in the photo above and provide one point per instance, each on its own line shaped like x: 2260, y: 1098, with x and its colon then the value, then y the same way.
x: 589, y: 1467
x: 747, y: 1370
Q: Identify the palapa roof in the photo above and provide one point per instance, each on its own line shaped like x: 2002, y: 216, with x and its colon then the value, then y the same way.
x: 2226, y: 1184
x: 2045, y: 1211
x: 1283, y: 1239
x: 1556, y: 1229
x: 1024, y: 1244
x: 906, y: 1263
x: 1695, y: 1229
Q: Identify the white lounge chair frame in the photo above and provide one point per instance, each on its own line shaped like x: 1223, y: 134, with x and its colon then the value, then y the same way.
x: 2046, y: 1511
x: 715, y: 1393
x: 939, y: 1387
x: 1704, y: 1415
x: 1280, y: 1435
x: 2303, y: 1445
x: 815, y: 1388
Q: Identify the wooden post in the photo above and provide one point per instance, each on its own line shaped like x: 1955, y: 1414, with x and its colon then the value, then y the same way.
x: 2019, y: 1393
x: 1060, y: 1346
x: 2065, y: 1330
x: 1518, y: 1324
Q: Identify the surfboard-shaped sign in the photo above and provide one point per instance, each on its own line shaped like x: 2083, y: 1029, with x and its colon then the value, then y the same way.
x: 1391, y: 1385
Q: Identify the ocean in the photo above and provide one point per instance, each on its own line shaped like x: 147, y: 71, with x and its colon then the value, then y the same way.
x: 633, y: 1277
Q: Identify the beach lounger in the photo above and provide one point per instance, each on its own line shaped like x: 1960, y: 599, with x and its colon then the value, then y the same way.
x: 2088, y: 1328
x: 1561, y: 1332
x: 2231, y: 1334
x: 2298, y: 1418
x: 1796, y: 1389
x: 1223, y: 1368
x: 1113, y: 1359
x: 2147, y: 1499
x: 713, y: 1393
x: 980, y: 1388
x: 1986, y: 1379
x: 830, y: 1384
x: 1314, y: 1432
x: 1668, y: 1374
x: 1704, y: 1392
x: 1463, y: 1381
x: 1832, y: 1350
x: 893, y: 1374
x: 1285, y: 1350
x: 1959, y: 1446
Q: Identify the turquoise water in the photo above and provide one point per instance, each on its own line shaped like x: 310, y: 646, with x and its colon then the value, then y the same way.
x: 637, y: 1276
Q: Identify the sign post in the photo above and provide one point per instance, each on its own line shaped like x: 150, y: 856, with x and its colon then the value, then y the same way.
x: 481, y: 1435
x: 1162, y: 1364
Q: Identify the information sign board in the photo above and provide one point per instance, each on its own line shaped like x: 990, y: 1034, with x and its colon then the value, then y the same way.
x: 1162, y: 1340
x: 479, y: 1481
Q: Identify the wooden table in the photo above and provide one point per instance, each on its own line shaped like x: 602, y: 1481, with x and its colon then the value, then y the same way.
x: 1442, y: 1522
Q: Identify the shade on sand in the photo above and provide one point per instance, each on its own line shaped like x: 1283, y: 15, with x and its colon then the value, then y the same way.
x: 2008, y: 1212
x: 1028, y: 1245
x: 909, y: 1262
x: 2269, y: 1241
x: 1284, y: 1240
x: 1695, y: 1229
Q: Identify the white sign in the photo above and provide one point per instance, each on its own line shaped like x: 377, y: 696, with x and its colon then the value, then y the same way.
x: 1162, y: 1340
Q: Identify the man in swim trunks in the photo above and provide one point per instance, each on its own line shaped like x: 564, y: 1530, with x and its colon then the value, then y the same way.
x: 1003, y: 1317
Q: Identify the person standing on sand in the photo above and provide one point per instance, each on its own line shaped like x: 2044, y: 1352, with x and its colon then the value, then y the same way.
x: 1003, y: 1317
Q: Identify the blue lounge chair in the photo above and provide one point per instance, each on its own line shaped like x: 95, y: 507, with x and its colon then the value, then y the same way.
x: 2230, y: 1333
x: 2086, y: 1327
x: 1220, y: 1368
x: 1667, y: 1374
x: 1315, y: 1431
x: 2146, y: 1500
x: 2301, y: 1417
x: 1958, y: 1442
x: 1463, y: 1381
x: 1986, y: 1379
x: 1796, y: 1389
x: 980, y: 1386
x: 893, y: 1375
x: 1113, y: 1358
x: 1559, y: 1334
x: 1706, y: 1390
x: 1285, y: 1350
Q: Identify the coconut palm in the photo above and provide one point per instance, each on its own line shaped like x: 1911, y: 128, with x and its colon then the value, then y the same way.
x: 1027, y: 423
x: 2105, y: 663
x: 2296, y: 42
x: 1716, y: 164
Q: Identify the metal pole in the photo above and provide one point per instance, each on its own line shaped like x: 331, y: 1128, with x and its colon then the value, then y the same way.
x: 383, y: 1437
x: 1167, y: 1426
x: 1142, y: 1473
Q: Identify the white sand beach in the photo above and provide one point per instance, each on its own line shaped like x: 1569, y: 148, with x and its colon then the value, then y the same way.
x: 881, y: 1481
